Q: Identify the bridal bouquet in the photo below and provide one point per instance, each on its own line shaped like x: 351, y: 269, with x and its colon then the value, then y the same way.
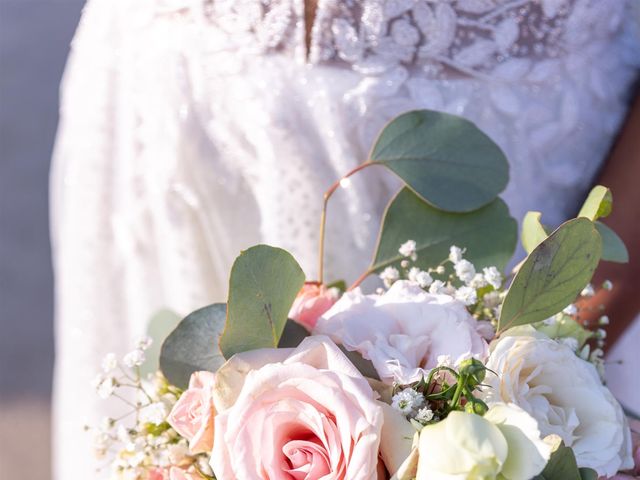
x: 446, y: 370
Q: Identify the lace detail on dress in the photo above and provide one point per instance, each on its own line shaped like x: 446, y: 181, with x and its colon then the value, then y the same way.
x: 443, y: 38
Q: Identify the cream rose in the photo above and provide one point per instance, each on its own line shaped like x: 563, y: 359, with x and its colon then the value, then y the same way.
x: 505, y: 443
x: 564, y: 394
x: 403, y: 331
x: 303, y: 413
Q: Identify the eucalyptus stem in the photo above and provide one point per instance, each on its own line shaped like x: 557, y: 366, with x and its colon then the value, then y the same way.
x: 323, y: 217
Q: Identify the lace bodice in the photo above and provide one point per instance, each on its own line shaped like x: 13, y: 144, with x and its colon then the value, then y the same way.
x: 191, y: 129
x: 437, y: 37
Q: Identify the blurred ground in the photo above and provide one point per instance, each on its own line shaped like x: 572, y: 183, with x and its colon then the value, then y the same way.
x: 34, y: 39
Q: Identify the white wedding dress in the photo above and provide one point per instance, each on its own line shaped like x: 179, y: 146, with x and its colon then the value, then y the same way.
x: 191, y: 129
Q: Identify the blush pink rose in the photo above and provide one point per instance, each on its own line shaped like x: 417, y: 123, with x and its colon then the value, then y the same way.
x: 312, y: 301
x: 157, y: 474
x: 295, y: 414
x: 192, y: 416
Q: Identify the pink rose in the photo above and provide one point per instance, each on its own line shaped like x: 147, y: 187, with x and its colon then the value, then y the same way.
x: 299, y: 414
x: 157, y: 474
x: 312, y: 301
x: 192, y: 416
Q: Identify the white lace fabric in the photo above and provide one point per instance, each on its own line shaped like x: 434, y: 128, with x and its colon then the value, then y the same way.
x: 191, y: 129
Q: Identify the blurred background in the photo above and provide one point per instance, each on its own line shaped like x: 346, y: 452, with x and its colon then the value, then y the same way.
x: 34, y: 42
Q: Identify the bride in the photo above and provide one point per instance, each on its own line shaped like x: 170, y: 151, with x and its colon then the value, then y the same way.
x: 191, y: 129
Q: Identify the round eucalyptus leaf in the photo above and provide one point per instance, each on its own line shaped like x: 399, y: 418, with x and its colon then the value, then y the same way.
x: 553, y: 274
x: 193, y: 345
x: 613, y: 248
x: 444, y: 158
x: 263, y: 285
x: 489, y: 234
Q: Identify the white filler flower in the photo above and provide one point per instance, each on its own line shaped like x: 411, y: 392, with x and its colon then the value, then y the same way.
x: 403, y: 331
x: 564, y: 394
x: 505, y: 444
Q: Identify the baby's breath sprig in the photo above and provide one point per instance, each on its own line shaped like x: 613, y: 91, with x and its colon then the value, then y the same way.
x: 140, y: 444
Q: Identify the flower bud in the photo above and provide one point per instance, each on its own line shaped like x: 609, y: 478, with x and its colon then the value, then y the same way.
x: 474, y: 370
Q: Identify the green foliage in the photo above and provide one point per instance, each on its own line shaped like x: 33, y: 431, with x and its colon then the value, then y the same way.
x: 158, y: 329
x: 264, y: 282
x: 193, y: 345
x: 564, y: 327
x: 598, y: 204
x: 292, y: 335
x: 533, y: 232
x: 444, y: 158
x: 489, y: 234
x: 553, y: 274
x: 562, y: 466
x: 613, y: 248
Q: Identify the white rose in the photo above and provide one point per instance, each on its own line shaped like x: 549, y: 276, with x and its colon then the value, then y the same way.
x: 564, y: 394
x: 505, y: 443
x: 403, y: 331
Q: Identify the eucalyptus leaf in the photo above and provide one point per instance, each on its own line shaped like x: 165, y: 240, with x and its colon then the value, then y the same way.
x: 488, y: 234
x: 193, y: 345
x: 364, y: 366
x: 292, y: 335
x: 561, y: 466
x: 263, y: 285
x: 158, y: 329
x: 598, y: 204
x: 444, y: 158
x: 553, y: 274
x: 588, y: 474
x: 533, y: 232
x: 613, y: 248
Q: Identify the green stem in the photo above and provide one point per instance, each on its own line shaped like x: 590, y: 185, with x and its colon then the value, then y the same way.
x: 323, y: 217
x: 462, y: 380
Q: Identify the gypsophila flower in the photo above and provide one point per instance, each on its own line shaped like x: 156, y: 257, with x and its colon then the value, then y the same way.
x: 413, y: 274
x: 437, y: 287
x: 408, y: 249
x: 106, y: 387
x: 424, y: 415
x: 135, y: 358
x: 155, y: 413
x: 109, y: 362
x: 491, y: 299
x: 465, y: 270
x: 404, y: 263
x: 144, y: 342
x: 389, y: 275
x: 478, y: 281
x: 407, y: 400
x: 493, y: 277
x: 588, y: 291
x: 601, y: 333
x: 607, y: 285
x: 455, y: 254
x: 570, y: 309
x: 424, y: 279
x: 603, y: 320
x: 440, y: 270
x: 570, y: 342
x: 467, y: 295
